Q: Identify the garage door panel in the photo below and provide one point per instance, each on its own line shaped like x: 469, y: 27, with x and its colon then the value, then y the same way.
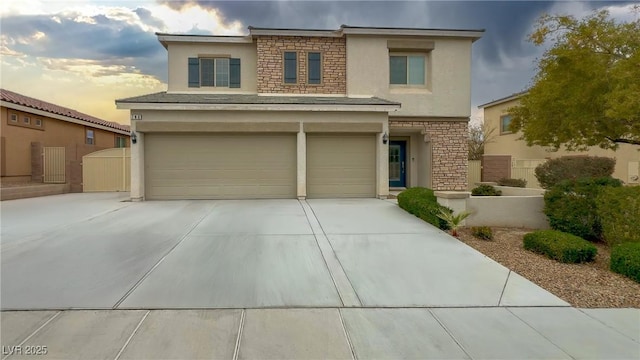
x: 216, y: 166
x: 341, y: 166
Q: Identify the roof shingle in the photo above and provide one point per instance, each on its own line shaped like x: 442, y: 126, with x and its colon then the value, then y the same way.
x: 19, y: 99
x: 165, y: 98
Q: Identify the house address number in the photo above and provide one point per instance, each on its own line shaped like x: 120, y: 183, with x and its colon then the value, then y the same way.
x: 136, y: 117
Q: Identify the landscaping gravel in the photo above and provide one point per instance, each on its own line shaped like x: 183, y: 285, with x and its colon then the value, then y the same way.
x: 590, y: 285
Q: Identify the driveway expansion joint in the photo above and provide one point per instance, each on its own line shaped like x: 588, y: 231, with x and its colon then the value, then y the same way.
x: 146, y: 275
x: 126, y: 343
x: 236, y: 350
x: 506, y: 281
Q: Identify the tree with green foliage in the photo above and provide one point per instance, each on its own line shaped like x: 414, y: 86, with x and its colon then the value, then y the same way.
x: 587, y: 89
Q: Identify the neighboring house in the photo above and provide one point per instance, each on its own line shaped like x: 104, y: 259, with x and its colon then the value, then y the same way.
x: 29, y: 125
x: 496, y: 116
x: 285, y: 113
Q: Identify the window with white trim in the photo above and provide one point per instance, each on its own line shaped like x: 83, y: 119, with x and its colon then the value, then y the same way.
x: 89, y: 137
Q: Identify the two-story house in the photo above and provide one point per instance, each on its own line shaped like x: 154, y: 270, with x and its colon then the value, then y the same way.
x: 286, y: 113
x: 507, y: 143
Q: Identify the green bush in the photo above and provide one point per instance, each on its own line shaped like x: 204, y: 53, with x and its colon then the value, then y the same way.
x: 560, y: 246
x: 572, y: 168
x: 485, y: 190
x: 482, y: 232
x: 571, y: 206
x: 512, y: 182
x: 422, y: 203
x: 625, y: 260
x: 619, y: 211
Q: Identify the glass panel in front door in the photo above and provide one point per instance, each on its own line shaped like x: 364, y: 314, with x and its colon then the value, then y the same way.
x: 394, y: 163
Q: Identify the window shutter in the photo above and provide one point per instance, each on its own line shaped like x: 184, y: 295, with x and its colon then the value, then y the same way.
x: 194, y: 72
x: 234, y: 73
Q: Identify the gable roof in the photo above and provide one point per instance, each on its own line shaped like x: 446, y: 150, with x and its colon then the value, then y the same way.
x: 10, y: 97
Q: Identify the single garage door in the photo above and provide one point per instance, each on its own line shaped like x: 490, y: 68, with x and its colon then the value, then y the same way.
x: 341, y: 166
x: 220, y: 166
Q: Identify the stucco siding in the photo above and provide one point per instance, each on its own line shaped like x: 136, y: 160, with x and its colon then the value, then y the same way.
x: 179, y: 55
x: 509, y: 144
x: 16, y: 156
x: 447, y: 91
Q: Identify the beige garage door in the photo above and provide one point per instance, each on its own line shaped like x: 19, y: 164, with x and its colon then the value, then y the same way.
x: 341, y: 166
x: 206, y: 166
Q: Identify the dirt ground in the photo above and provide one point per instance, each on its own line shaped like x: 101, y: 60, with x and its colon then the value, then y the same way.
x: 590, y: 285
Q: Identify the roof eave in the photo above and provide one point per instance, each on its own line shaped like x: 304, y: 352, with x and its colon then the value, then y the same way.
x: 165, y: 39
x: 44, y: 113
x: 294, y: 32
x: 468, y: 34
x: 503, y: 100
x: 258, y: 107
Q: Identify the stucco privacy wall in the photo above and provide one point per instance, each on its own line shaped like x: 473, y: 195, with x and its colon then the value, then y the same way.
x: 449, y: 152
x: 294, y: 117
x: 270, y: 64
x: 179, y: 54
x: 447, y: 91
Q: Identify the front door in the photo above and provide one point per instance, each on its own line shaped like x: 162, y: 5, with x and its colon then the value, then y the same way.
x: 397, y: 164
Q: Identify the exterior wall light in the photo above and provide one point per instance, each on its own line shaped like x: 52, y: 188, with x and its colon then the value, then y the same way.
x: 134, y: 138
x: 385, y: 138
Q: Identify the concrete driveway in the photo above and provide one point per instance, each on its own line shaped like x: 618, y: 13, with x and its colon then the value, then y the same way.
x: 96, y: 251
x: 273, y: 279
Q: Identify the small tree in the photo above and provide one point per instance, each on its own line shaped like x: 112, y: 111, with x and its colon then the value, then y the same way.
x: 479, y: 136
x: 586, y: 91
x: 454, y: 221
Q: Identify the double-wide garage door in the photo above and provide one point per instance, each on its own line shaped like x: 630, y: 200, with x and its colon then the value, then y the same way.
x: 255, y: 166
x: 221, y: 166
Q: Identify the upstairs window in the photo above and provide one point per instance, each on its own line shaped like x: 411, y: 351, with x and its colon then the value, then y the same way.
x: 505, y: 122
x: 214, y: 72
x: 314, y: 61
x: 407, y: 69
x: 290, y: 67
x: 26, y: 120
x: 89, y: 139
x: 13, y: 118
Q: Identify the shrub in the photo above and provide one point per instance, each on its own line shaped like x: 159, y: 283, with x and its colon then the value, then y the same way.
x: 485, y: 190
x: 482, y: 232
x: 453, y: 221
x: 572, y: 168
x: 512, y: 182
x: 560, y: 246
x: 422, y: 203
x: 625, y: 260
x: 618, y: 209
x: 571, y: 206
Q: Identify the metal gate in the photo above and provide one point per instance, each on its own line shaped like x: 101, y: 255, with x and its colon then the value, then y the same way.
x: 107, y: 170
x: 54, y: 165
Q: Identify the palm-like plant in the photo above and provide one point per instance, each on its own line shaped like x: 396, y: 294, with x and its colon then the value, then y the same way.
x: 454, y: 221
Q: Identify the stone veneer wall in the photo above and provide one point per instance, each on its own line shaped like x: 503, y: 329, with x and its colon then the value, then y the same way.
x: 449, y: 151
x: 270, y: 64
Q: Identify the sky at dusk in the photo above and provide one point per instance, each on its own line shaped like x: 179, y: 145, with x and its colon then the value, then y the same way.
x: 84, y: 54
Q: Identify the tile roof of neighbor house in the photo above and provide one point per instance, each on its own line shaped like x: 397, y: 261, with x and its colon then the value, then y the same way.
x: 19, y: 99
x: 503, y: 100
x: 165, y: 98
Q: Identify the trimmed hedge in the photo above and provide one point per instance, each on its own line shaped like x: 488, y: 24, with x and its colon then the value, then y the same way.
x: 485, y: 190
x: 560, y: 246
x: 625, y: 260
x: 482, y: 232
x: 513, y: 182
x: 619, y: 212
x: 554, y: 171
x: 422, y: 203
x: 571, y: 206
